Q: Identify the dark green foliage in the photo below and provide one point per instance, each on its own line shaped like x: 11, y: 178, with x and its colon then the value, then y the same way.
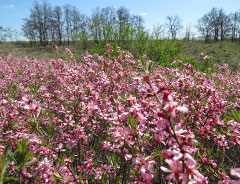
x: 163, y: 52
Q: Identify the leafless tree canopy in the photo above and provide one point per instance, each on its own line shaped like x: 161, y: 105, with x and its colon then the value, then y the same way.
x: 174, y: 25
x: 67, y: 24
x: 218, y: 25
x: 58, y: 24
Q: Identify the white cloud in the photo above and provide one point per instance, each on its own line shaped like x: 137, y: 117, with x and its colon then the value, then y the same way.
x: 9, y: 6
x: 115, y: 6
x: 143, y: 14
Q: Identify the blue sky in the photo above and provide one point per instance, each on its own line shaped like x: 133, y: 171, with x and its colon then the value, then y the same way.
x: 154, y: 11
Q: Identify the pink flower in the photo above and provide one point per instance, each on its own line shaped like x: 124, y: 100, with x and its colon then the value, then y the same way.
x: 69, y: 52
x: 206, y: 57
x: 202, y: 54
x: 56, y: 47
x: 235, y: 172
x: 146, y: 174
x: 128, y: 157
x: 123, y: 116
x: 170, y: 106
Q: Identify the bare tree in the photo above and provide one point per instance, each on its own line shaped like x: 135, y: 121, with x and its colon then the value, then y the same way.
x: 47, y: 14
x: 58, y: 22
x: 83, y: 33
x: 215, y: 24
x: 9, y: 33
x: 108, y: 21
x: 40, y: 20
x: 214, y: 16
x: 95, y: 25
x: 234, y: 24
x: 75, y: 15
x: 28, y: 30
x: 2, y: 34
x: 16, y: 34
x: 219, y: 23
x: 225, y: 25
x: 204, y: 27
x: 174, y: 25
x: 36, y: 19
x: 68, y: 21
x: 106, y: 24
x: 188, y: 32
x: 136, y: 25
x: 123, y: 19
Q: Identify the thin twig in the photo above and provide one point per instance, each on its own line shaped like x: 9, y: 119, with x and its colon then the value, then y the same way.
x: 171, y: 125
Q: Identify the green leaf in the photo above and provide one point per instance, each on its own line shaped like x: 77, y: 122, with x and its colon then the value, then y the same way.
x: 236, y: 115
x: 134, y: 172
x: 158, y: 155
x: 103, y: 179
x: 20, y: 148
x: 4, y: 162
x: 28, y: 163
x: 7, y: 148
x: 57, y: 177
x: 12, y: 155
x: 29, y: 155
x: 11, y: 178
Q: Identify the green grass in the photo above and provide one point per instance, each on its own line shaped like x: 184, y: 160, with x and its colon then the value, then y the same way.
x: 221, y: 52
x: 22, y: 49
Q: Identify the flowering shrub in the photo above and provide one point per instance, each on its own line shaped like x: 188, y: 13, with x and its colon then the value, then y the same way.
x: 111, y: 119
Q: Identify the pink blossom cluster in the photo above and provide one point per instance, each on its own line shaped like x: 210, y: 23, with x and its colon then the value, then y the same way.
x: 56, y: 47
x: 106, y: 119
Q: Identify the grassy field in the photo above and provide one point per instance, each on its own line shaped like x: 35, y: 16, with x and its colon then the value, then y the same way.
x: 221, y: 52
x: 99, y: 121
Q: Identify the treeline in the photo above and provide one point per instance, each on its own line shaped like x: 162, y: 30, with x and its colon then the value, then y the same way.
x: 8, y: 33
x: 66, y: 23
x: 117, y: 26
x: 217, y: 25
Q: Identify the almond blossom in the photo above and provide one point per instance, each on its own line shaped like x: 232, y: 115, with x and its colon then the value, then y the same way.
x: 108, y: 119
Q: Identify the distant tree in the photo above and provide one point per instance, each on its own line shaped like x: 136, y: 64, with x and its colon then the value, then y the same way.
x: 234, y: 24
x: 39, y: 22
x: 75, y: 15
x: 123, y: 16
x: 83, y: 33
x: 215, y: 24
x: 108, y: 22
x: 29, y: 31
x: 2, y: 34
x: 204, y: 27
x: 57, y: 23
x: 16, y: 34
x: 225, y: 25
x: 47, y: 14
x: 74, y: 23
x: 95, y: 25
x: 214, y: 17
x: 9, y: 33
x: 188, y: 32
x: 158, y: 32
x: 219, y: 23
x: 173, y: 25
x: 68, y: 21
x: 136, y: 25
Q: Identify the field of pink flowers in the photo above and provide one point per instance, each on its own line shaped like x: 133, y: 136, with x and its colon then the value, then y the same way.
x: 105, y: 119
